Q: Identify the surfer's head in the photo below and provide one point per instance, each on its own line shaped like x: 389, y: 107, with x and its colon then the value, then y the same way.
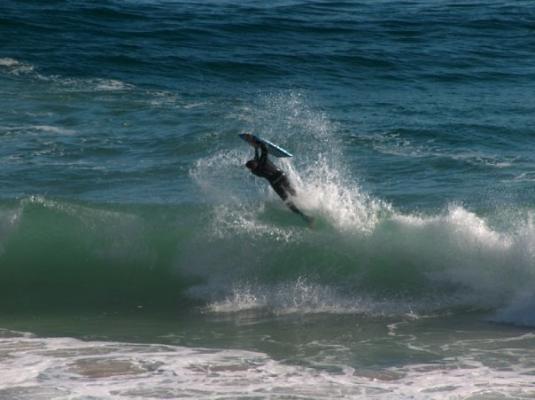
x: 251, y: 164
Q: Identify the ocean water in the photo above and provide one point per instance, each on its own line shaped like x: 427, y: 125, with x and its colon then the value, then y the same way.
x: 140, y: 260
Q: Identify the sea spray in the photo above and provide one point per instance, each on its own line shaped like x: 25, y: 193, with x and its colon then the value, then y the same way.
x: 363, y: 248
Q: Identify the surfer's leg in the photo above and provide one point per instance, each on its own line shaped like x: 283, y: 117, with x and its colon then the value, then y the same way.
x: 279, y: 188
x: 296, y: 210
x: 282, y: 187
x: 291, y: 206
x: 287, y: 186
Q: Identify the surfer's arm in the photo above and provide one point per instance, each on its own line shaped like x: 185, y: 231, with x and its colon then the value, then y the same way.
x: 264, y: 153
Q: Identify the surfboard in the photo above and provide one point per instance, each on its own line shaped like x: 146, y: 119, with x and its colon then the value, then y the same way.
x: 277, y: 151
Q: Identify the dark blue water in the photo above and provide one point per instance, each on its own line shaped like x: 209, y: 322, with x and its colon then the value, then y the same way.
x: 122, y: 186
x: 116, y: 100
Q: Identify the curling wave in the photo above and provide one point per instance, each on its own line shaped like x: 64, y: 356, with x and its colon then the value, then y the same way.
x: 255, y: 255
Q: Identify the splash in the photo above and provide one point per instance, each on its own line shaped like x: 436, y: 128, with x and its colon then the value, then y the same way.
x: 324, y: 191
x: 364, y: 251
x: 325, y: 188
x: 407, y: 265
x: 306, y: 297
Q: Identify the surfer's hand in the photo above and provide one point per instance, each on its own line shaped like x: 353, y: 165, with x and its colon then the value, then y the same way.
x: 250, y: 138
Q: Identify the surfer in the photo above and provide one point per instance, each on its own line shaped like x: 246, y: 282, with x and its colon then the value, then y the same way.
x: 264, y: 168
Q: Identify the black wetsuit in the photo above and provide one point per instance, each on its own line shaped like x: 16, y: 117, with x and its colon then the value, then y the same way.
x: 276, y: 178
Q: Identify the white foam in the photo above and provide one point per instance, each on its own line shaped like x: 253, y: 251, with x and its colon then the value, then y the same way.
x: 86, y: 85
x: 325, y: 192
x: 528, y: 176
x: 70, y: 368
x: 488, y: 267
x: 53, y: 129
x: 8, y: 62
x: 13, y: 130
x: 305, y: 297
x: 493, y: 267
x: 15, y: 67
x: 18, y: 68
x: 110, y: 85
x: 231, y: 222
x: 460, y: 225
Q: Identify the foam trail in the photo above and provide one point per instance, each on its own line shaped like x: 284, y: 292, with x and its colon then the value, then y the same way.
x: 15, y: 67
x: 21, y: 69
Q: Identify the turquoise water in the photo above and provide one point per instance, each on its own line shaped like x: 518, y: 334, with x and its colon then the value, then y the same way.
x: 139, y: 259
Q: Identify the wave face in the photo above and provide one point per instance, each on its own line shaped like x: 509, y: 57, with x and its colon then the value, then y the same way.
x: 235, y: 257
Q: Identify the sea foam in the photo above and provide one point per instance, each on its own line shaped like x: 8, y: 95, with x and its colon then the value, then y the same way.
x: 42, y: 368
